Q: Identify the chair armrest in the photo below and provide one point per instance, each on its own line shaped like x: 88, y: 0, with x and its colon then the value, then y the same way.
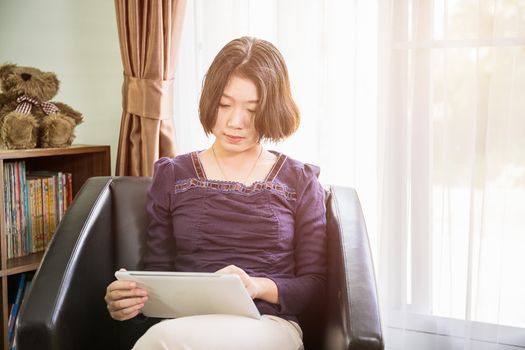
x: 353, y: 320
x: 65, y: 308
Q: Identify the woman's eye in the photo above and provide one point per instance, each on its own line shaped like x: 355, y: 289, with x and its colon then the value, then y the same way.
x: 251, y: 111
x: 223, y: 105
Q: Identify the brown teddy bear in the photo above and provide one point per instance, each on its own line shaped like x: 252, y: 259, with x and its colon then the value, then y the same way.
x: 27, y: 118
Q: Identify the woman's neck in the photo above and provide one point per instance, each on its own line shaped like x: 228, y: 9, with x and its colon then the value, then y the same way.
x: 245, y: 167
x: 237, y: 166
x: 236, y: 157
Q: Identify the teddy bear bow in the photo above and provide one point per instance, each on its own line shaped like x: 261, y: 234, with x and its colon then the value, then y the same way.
x: 26, y: 103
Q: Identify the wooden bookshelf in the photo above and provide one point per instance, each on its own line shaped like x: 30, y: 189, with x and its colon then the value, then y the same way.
x: 83, y: 161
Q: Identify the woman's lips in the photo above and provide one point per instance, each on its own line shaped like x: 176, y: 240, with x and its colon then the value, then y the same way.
x: 234, y: 139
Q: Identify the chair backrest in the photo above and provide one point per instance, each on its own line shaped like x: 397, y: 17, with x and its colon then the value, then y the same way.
x: 130, y: 220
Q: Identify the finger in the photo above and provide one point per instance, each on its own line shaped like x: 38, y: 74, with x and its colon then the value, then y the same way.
x: 117, y: 296
x: 122, y: 285
x: 125, y: 289
x: 226, y: 269
x: 126, y: 314
x: 127, y: 293
x: 121, y: 304
x: 232, y: 269
x: 124, y: 304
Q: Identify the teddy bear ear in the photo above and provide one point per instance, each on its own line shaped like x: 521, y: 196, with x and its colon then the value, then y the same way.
x: 6, y: 69
x: 53, y: 77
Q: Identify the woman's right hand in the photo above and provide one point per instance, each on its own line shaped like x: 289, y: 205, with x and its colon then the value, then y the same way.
x: 125, y: 300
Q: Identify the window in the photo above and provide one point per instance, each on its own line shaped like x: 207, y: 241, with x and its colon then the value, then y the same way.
x: 455, y: 151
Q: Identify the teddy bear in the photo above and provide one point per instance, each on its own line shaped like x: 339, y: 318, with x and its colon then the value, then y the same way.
x: 28, y: 119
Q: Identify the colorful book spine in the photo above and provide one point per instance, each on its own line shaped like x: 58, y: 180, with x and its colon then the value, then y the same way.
x: 10, y: 210
x: 7, y: 207
x: 34, y: 204
x: 45, y: 211
x: 26, y: 292
x: 40, y: 246
x: 64, y: 194
x: 51, y: 197
x: 32, y: 214
x: 18, y: 211
x: 16, y: 306
x: 26, y: 219
x: 11, y: 309
x: 59, y: 197
x: 69, y: 188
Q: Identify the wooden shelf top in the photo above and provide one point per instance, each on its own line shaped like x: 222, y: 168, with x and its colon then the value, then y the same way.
x: 23, y: 264
x: 43, y: 152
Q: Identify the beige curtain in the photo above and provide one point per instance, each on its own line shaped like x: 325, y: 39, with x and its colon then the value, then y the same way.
x: 149, y: 33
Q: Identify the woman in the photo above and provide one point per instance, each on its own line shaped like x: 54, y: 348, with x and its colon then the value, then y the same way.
x: 237, y: 208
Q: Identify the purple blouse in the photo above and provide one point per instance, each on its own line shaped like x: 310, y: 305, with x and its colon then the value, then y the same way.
x: 274, y: 228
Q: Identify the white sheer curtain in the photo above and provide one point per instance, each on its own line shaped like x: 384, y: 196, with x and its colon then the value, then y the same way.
x: 452, y: 194
x: 428, y: 125
x: 332, y: 62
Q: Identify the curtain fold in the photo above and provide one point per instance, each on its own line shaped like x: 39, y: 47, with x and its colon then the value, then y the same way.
x: 149, y: 34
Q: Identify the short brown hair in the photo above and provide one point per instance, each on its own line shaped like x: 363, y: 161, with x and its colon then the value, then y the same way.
x: 276, y: 114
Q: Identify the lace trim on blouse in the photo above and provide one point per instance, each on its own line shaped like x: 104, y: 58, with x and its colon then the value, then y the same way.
x: 236, y: 187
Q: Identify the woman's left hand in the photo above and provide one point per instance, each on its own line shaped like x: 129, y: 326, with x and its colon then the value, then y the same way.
x: 257, y: 287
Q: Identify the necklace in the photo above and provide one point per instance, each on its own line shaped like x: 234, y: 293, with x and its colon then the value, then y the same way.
x: 224, y: 174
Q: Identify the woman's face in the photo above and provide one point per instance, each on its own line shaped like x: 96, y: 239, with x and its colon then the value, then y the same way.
x: 234, y: 129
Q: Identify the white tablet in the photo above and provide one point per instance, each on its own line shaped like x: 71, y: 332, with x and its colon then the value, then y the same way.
x: 177, y: 294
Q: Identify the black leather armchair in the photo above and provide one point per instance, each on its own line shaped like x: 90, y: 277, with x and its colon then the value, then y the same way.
x: 103, y: 230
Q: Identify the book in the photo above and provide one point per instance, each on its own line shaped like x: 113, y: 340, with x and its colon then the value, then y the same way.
x: 38, y: 240
x: 51, y: 203
x: 10, y: 313
x: 24, y: 208
x: 69, y: 188
x: 34, y: 185
x: 45, y: 211
x: 31, y: 214
x: 26, y: 292
x: 16, y: 306
x: 8, y: 208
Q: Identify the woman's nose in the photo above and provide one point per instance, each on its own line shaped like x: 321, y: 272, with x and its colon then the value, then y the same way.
x: 236, y: 118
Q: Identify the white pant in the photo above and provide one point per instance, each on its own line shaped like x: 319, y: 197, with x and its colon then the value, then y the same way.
x: 222, y: 332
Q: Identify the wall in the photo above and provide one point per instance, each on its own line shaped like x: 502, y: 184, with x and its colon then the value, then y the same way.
x: 78, y: 41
